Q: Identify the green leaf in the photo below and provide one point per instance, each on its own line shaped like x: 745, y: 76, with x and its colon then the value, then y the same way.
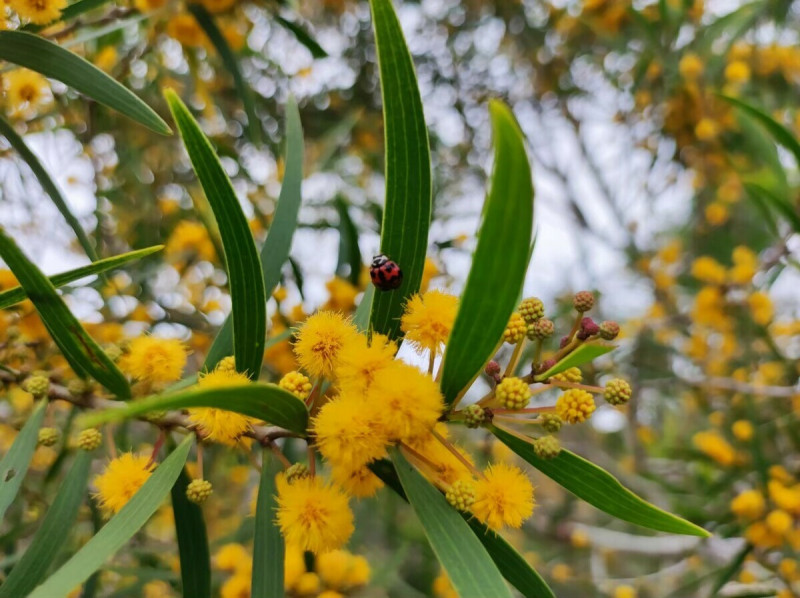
x: 15, y: 463
x: 267, y: 402
x: 73, y: 10
x: 16, y: 294
x: 500, y: 261
x: 780, y: 133
x: 53, y: 61
x: 58, y: 522
x: 582, y: 354
x: 279, y: 238
x: 470, y: 568
x: 773, y: 201
x: 268, y: 548
x: 407, y: 213
x: 190, y: 529
x: 599, y: 488
x: 349, y: 252
x: 206, y: 21
x: 303, y: 37
x: 120, y: 528
x: 79, y: 349
x: 246, y: 281
x: 361, y: 317
x: 730, y: 570
x: 7, y: 131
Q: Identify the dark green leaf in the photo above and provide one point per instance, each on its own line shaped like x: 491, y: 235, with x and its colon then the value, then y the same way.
x: 120, y: 528
x: 349, y: 252
x: 190, y: 529
x: 246, y: 281
x: 599, y: 488
x: 771, y: 200
x: 15, y: 463
x: 582, y: 354
x: 780, y: 133
x: 57, y: 523
x: 268, y: 549
x: 303, y: 37
x: 495, y: 279
x: 468, y: 565
x: 79, y: 349
x: 407, y: 214
x: 51, y: 60
x: 730, y: 570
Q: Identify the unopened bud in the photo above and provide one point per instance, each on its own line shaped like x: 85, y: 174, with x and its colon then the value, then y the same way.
x: 609, y: 330
x: 583, y: 301
x: 198, y: 491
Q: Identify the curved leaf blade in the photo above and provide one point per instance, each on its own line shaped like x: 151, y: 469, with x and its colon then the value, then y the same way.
x: 15, y: 463
x: 267, y: 402
x: 17, y: 294
x: 773, y: 201
x: 582, y: 354
x: 268, y: 548
x: 80, y: 350
x: 190, y: 529
x: 302, y: 36
x: 779, y: 133
x: 599, y: 488
x: 246, y: 280
x: 470, y: 568
x: 407, y: 212
x: 53, y: 61
x: 496, y: 277
x: 57, y: 523
x: 120, y: 528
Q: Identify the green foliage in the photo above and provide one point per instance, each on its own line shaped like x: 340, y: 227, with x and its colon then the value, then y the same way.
x: 268, y: 548
x: 15, y: 462
x: 190, y: 531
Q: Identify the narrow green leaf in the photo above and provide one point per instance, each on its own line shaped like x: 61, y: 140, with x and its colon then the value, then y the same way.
x: 599, y: 488
x: 496, y: 277
x: 407, y: 213
x: 120, y: 528
x: 582, y: 354
x: 470, y: 568
x: 51, y: 60
x: 246, y: 281
x: 780, y: 133
x: 206, y: 21
x: 47, y: 183
x: 57, y: 523
x: 190, y: 529
x: 267, y: 402
x: 268, y: 548
x: 79, y: 349
x: 770, y: 199
x: 303, y: 37
x: 17, y: 294
x: 361, y: 317
x: 15, y: 463
x: 349, y: 252
x: 730, y: 570
x: 279, y: 238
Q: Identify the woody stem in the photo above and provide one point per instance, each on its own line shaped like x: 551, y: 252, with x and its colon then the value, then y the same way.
x: 512, y: 363
x: 456, y: 454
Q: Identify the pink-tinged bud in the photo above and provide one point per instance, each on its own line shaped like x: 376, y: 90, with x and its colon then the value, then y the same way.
x: 609, y: 330
x: 492, y: 369
x: 583, y: 301
x: 588, y: 328
x: 564, y: 342
x: 546, y: 365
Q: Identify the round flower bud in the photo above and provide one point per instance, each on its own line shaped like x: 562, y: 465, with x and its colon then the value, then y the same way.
x: 461, y: 495
x: 569, y: 375
x: 588, y: 328
x: 515, y: 331
x: 37, y: 385
x: 563, y: 342
x: 513, y: 393
x: 547, y: 447
x: 77, y: 387
x: 297, y: 384
x: 583, y: 301
x: 296, y: 471
x: 492, y: 369
x: 48, y: 436
x: 609, y: 330
x: 541, y: 329
x: 544, y: 366
x: 90, y: 439
x: 551, y: 422
x: 474, y: 415
x: 226, y: 364
x: 531, y: 309
x: 575, y: 406
x: 198, y: 491
x: 617, y: 392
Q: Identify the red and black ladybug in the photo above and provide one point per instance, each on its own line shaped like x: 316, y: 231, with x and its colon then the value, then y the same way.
x: 385, y: 274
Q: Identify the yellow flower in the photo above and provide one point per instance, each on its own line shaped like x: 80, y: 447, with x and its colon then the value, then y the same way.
x: 709, y: 270
x: 706, y: 129
x: 760, y: 307
x: 26, y: 91
x: 296, y: 383
x: 428, y: 320
x: 308, y: 584
x: 332, y: 567
x: 690, y: 66
x: 157, y: 589
x: 350, y: 432
x: 184, y: 28
x: 314, y: 515
x: 231, y: 557
x: 779, y: 522
x: 575, y: 406
x: 294, y: 565
x: 743, y: 430
x: 120, y: 480
x: 217, y: 5
x: 428, y: 272
x: 504, y: 496
x: 745, y: 264
x: 320, y: 341
x: 359, y: 572
x: 342, y: 295
x: 715, y: 446
x: 219, y: 425
x: 625, y: 592
x: 148, y: 5
x: 40, y: 12
x: 516, y: 328
x: 190, y: 238
x: 359, y: 363
x: 237, y: 586
x: 154, y: 360
x: 716, y: 213
x: 737, y: 72
x: 359, y: 482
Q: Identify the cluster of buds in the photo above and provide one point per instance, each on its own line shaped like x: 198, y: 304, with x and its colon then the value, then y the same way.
x: 198, y: 491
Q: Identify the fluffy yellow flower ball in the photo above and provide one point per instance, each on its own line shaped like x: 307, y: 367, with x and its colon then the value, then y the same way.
x: 428, y: 320
x: 320, y: 341
x: 361, y: 363
x: 219, y: 425
x: 40, y: 12
x: 154, y: 360
x: 25, y: 92
x: 503, y: 497
x: 349, y: 431
x: 121, y: 479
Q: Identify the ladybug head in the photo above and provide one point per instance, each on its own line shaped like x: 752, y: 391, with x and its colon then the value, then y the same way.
x: 379, y: 260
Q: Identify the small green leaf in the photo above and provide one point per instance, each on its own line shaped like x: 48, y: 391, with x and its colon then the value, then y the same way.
x: 16, y: 294
x: 279, y: 238
x: 303, y: 37
x: 15, y: 463
x: 120, y: 528
x: 468, y: 565
x: 500, y: 261
x: 773, y: 201
x: 730, y: 570
x: 51, y: 60
x: 79, y: 349
x: 246, y: 281
x: 779, y: 133
x: 190, y: 529
x: 407, y: 213
x: 7, y: 131
x: 349, y: 253
x: 361, y: 317
x: 599, y: 488
x: 582, y: 354
x: 267, y: 402
x: 57, y: 523
x: 268, y: 548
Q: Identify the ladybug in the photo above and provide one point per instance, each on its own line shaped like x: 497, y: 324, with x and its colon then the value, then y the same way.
x: 385, y: 274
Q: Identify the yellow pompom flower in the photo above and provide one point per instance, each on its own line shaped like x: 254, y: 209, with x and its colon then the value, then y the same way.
x: 40, y: 12
x: 342, y: 294
x: 715, y: 446
x: 236, y: 586
x: 513, y: 393
x: 779, y: 522
x: 709, y: 270
x: 360, y: 363
x: 745, y: 265
x: 516, y: 329
x: 190, y: 238
x: 760, y: 307
x: 503, y: 497
x: 320, y: 341
x: 25, y: 91
x: 294, y: 565
x: 690, y: 66
x: 121, y: 479
x: 184, y: 28
x: 570, y: 375
x: 231, y: 557
x: 219, y: 425
x: 428, y: 320
x: 359, y: 482
x: 332, y: 567
x: 154, y: 360
x: 737, y: 72
x: 359, y: 572
x: 314, y: 515
x: 349, y: 431
x: 296, y: 383
x: 575, y: 406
